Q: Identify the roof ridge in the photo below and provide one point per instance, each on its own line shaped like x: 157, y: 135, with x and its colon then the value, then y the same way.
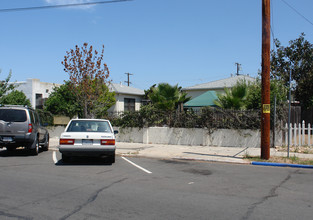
x: 215, y: 83
x: 119, y: 88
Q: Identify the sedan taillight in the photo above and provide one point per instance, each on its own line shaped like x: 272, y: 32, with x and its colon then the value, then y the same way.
x: 107, y: 141
x: 67, y: 141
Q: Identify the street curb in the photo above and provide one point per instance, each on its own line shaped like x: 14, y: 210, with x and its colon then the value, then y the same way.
x: 282, y: 165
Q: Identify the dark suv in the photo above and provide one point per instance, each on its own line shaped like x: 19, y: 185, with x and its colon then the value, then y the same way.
x: 20, y: 127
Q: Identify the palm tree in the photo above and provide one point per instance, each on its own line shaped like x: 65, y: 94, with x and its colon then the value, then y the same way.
x: 167, y: 97
x: 234, y: 98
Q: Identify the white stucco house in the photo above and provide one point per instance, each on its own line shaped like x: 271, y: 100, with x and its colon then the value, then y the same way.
x: 127, y: 98
x: 37, y: 92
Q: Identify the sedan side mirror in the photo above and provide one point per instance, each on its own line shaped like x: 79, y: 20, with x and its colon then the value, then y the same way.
x: 115, y: 131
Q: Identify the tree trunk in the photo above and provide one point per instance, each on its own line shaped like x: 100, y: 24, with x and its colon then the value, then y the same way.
x: 85, y: 109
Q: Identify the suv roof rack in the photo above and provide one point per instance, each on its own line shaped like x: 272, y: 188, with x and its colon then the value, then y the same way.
x: 4, y: 105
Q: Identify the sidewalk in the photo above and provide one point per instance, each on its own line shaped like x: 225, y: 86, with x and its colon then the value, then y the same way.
x: 183, y: 152
x: 199, y: 153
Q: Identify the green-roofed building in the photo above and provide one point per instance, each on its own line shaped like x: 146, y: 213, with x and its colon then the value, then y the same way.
x: 206, y: 99
x: 204, y: 94
x: 218, y: 86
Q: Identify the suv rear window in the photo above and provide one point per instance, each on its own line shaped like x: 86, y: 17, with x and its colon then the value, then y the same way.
x: 13, y: 115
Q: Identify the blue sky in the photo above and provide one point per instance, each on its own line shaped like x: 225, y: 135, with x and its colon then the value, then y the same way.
x: 184, y: 42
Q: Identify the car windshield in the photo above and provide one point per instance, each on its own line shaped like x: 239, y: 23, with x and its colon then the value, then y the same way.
x: 13, y: 115
x: 89, y: 126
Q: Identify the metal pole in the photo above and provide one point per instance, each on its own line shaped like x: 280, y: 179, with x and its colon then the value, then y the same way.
x: 289, y: 113
x: 274, y: 124
x: 266, y: 47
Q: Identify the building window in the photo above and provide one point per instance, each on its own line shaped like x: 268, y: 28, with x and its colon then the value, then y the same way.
x: 129, y: 105
x: 39, y: 101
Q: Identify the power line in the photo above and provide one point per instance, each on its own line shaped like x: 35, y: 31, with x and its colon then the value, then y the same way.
x: 272, y: 25
x: 297, y: 12
x: 60, y: 6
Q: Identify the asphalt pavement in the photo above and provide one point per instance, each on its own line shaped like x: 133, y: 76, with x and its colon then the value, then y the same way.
x: 197, y: 153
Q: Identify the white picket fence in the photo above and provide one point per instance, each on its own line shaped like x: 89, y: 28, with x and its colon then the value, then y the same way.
x: 299, y: 134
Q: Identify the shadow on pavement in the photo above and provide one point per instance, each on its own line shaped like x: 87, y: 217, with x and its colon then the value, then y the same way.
x: 17, y: 153
x: 85, y: 161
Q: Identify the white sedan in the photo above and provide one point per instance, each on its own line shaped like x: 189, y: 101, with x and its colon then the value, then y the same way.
x: 88, y: 137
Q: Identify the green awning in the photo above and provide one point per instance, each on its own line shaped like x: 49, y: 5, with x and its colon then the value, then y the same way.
x: 206, y: 99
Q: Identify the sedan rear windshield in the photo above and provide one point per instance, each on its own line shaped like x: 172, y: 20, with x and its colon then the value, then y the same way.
x: 13, y: 115
x: 89, y: 126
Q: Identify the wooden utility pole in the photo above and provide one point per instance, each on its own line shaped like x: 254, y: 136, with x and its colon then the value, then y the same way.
x: 128, y: 82
x: 266, y: 62
x: 238, y: 68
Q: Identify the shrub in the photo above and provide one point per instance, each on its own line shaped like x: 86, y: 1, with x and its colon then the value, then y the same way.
x: 207, y: 117
x: 45, y: 116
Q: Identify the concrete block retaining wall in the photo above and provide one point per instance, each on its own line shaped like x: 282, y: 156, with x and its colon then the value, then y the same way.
x: 185, y: 136
x: 234, y: 138
x: 194, y: 136
x: 131, y: 135
x: 55, y: 131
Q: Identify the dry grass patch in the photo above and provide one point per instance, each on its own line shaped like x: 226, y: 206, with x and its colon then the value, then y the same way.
x: 296, y: 149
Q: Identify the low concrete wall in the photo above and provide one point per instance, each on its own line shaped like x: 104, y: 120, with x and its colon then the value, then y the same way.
x: 186, y: 136
x: 176, y: 136
x: 131, y: 135
x: 234, y: 138
x: 194, y: 136
x: 55, y: 131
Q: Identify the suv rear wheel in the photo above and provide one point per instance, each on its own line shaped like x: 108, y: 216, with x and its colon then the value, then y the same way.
x: 35, y: 147
x: 46, y: 145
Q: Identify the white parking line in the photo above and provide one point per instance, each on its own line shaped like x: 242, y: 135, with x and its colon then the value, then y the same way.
x: 54, y: 157
x: 132, y: 163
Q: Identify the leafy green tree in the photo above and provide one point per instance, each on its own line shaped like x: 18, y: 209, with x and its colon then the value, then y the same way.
x: 105, y: 100
x: 167, y: 97
x: 5, y: 86
x: 297, y: 58
x: 15, y: 98
x: 233, y: 98
x: 278, y: 89
x: 87, y: 74
x: 62, y: 101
